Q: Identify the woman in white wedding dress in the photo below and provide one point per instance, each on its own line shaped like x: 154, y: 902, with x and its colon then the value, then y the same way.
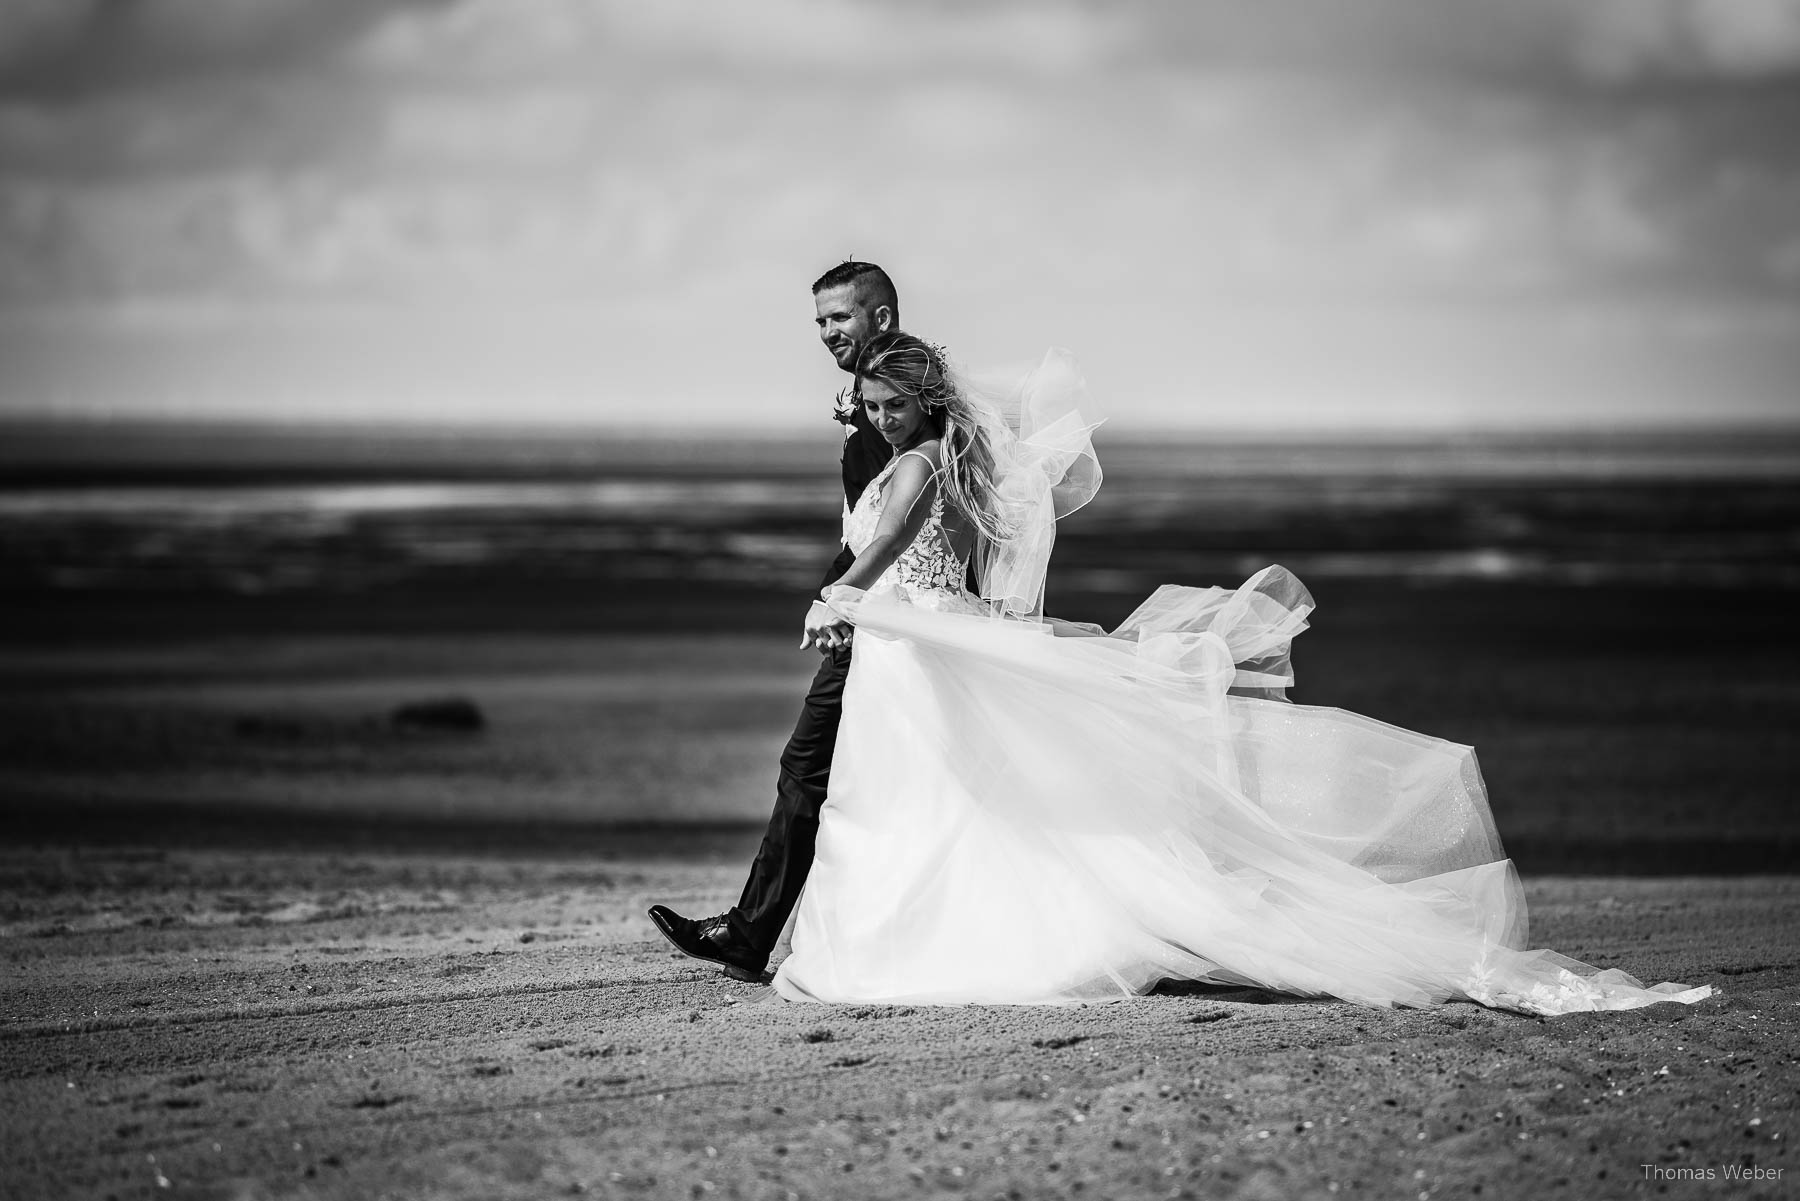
x: 1027, y: 811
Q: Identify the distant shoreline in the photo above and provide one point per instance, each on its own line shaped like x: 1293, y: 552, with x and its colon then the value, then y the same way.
x: 42, y: 453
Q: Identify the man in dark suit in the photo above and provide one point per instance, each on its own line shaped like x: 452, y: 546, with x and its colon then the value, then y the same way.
x: 854, y: 301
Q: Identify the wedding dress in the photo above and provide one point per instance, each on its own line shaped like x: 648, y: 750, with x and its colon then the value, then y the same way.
x: 1028, y: 811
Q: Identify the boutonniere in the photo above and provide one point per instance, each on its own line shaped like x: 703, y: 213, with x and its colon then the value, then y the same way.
x: 844, y: 408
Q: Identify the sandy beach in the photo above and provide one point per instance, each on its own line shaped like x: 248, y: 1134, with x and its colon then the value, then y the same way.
x: 263, y: 939
x: 425, y: 426
x: 278, y: 1024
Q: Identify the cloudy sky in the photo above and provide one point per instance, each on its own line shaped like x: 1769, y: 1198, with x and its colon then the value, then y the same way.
x: 1292, y: 213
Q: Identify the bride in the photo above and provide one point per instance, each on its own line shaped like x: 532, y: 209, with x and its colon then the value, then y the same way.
x: 1029, y: 811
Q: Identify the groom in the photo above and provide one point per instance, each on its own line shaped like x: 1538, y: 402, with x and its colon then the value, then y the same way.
x: 855, y: 301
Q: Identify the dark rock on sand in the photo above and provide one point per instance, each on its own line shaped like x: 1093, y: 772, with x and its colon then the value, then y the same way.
x: 453, y: 714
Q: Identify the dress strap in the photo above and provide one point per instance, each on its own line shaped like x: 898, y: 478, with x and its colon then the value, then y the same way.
x: 934, y: 468
x: 937, y: 499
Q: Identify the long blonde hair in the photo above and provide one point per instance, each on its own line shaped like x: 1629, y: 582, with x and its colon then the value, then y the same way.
x: 916, y: 368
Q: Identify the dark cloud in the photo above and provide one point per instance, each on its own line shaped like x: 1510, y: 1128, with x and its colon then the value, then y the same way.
x: 70, y: 48
x: 1628, y: 40
x: 1531, y: 43
x: 253, y: 159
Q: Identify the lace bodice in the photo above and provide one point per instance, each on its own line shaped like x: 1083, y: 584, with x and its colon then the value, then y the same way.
x: 928, y: 571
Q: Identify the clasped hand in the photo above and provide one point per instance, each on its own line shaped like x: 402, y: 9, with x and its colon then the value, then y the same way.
x: 824, y: 630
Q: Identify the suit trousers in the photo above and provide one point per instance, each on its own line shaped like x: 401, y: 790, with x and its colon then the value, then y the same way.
x: 786, y: 854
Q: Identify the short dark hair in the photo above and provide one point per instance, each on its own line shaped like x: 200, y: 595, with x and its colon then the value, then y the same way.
x: 871, y: 282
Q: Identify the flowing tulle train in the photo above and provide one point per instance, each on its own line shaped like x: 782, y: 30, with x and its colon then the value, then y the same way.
x: 1027, y: 812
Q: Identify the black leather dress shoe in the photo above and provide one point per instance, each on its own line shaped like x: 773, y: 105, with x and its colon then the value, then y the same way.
x: 713, y: 940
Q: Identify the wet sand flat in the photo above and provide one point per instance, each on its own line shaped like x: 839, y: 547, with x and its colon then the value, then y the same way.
x: 1624, y: 746
x: 261, y: 1023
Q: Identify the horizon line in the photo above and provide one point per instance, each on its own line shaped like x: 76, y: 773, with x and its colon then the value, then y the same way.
x: 79, y: 423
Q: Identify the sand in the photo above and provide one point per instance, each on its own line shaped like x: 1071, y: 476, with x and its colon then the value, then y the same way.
x: 1625, y: 747
x: 265, y: 1023
x: 258, y: 942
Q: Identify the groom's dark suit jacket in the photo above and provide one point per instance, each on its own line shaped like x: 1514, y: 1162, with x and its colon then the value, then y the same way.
x: 866, y: 452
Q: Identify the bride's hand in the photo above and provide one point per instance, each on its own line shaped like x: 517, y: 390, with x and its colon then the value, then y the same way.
x: 824, y: 629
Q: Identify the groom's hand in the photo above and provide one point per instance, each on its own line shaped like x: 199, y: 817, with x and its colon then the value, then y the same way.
x: 824, y: 629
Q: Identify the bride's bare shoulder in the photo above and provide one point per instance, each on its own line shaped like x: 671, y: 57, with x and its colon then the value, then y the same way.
x: 931, y: 450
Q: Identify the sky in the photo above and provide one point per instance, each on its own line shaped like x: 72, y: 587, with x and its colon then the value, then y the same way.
x: 1287, y: 215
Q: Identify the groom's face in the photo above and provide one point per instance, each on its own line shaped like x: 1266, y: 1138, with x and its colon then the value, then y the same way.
x: 847, y: 320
